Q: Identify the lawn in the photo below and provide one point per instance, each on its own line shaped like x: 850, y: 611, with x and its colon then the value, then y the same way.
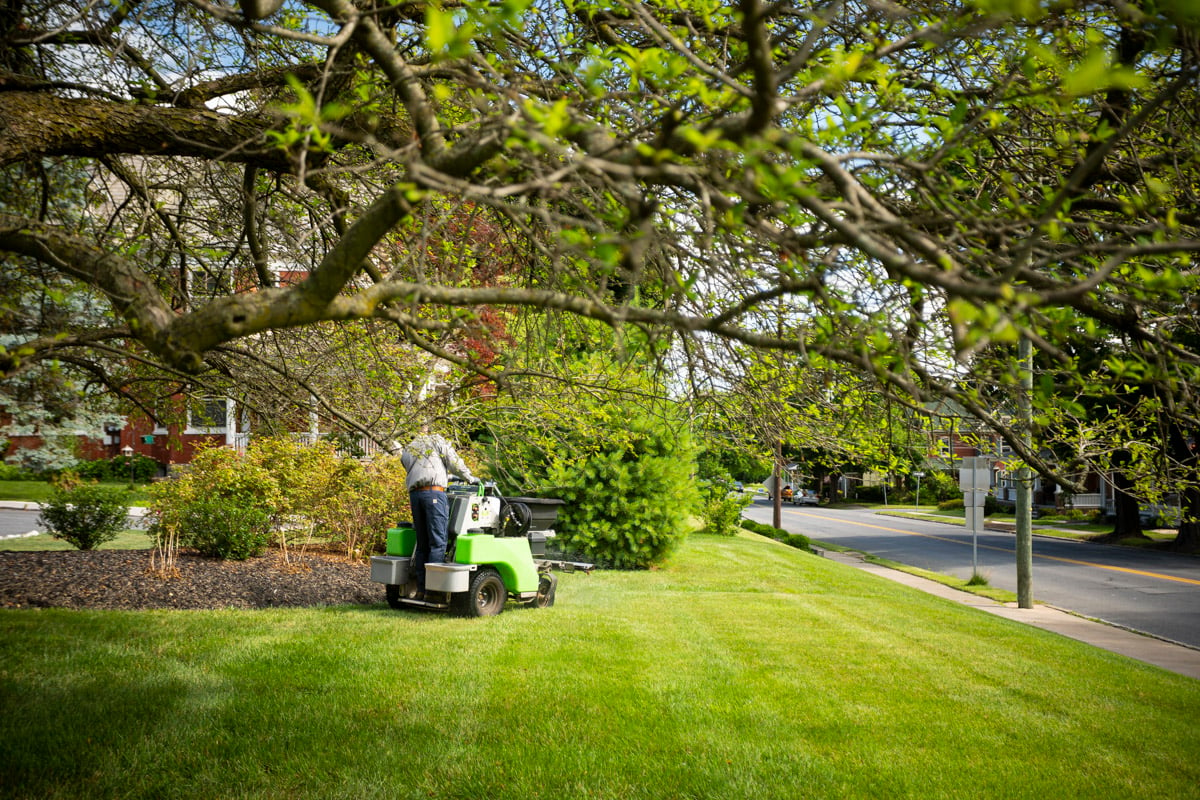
x: 39, y: 491
x: 125, y: 540
x: 743, y: 669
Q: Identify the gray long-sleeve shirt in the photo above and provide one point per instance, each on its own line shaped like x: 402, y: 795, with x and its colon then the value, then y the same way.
x: 430, y: 460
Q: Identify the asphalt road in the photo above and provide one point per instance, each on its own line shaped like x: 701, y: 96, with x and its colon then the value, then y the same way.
x: 1153, y: 592
x: 13, y: 523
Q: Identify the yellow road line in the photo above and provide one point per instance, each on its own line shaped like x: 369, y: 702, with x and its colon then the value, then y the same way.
x: 1142, y: 573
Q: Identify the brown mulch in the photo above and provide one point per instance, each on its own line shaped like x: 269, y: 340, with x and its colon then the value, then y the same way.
x: 125, y: 579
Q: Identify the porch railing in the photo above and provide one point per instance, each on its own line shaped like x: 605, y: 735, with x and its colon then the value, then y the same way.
x: 347, y: 446
x: 1093, y: 500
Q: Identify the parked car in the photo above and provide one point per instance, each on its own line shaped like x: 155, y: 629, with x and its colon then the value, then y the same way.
x: 804, y: 497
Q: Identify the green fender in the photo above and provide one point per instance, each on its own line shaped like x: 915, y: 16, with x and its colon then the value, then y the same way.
x: 510, y: 556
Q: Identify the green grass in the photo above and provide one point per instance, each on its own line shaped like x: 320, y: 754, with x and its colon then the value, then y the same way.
x: 743, y: 669
x: 39, y: 491
x: 126, y: 540
x: 974, y: 585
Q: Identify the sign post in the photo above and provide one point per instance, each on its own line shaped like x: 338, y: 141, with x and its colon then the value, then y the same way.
x: 918, y: 475
x: 974, y: 478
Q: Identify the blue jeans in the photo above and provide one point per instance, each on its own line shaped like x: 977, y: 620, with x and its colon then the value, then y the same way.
x: 431, y: 518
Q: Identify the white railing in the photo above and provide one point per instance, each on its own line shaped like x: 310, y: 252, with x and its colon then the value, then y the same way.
x: 1086, y: 501
x: 367, y: 447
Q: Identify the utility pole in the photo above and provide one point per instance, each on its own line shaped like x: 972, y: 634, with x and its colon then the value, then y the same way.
x: 777, y: 493
x: 1024, y: 478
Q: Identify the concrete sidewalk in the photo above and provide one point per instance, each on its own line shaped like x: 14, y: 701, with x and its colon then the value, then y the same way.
x: 1159, y: 652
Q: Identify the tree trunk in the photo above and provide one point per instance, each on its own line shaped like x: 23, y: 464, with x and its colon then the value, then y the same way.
x: 1125, y: 505
x: 1188, y: 539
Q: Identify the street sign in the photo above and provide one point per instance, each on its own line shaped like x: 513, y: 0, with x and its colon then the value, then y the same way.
x: 976, y: 473
x: 974, y: 498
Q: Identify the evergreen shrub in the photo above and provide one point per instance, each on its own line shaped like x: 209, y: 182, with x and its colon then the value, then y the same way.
x: 627, y: 507
x: 621, y: 464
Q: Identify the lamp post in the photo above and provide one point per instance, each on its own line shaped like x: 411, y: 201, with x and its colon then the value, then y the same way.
x: 128, y: 453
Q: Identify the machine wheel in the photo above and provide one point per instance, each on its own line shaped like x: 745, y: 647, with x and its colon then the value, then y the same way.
x: 486, y: 597
x: 393, y: 594
x: 545, y: 594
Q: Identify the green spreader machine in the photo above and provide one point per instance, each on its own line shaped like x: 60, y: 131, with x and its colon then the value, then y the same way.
x: 495, y: 552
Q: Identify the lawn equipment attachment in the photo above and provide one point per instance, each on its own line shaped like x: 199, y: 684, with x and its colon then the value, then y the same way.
x: 495, y: 552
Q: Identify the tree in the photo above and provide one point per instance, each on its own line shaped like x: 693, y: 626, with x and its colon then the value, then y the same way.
x: 679, y: 168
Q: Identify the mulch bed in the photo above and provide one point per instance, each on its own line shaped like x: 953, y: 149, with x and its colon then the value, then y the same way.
x: 125, y: 579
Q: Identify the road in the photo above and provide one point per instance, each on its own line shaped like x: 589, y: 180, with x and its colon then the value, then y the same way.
x: 14, y: 523
x: 1153, y: 592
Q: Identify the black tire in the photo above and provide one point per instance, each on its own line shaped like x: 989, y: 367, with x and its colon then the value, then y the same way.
x: 486, y: 597
x: 393, y: 594
x: 546, y: 588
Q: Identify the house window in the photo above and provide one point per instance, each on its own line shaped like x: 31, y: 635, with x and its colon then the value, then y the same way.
x: 205, y: 285
x: 208, y: 415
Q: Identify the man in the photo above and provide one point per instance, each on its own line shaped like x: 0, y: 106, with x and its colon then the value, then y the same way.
x: 429, y: 460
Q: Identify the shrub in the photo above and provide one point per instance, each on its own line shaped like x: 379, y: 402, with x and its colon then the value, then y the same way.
x: 365, y: 502
x: 85, y: 515
x: 119, y: 468
x: 628, y: 507
x: 225, y: 528
x: 797, y: 540
x: 1078, y: 515
x: 758, y: 527
x: 720, y: 509
x: 870, y: 494
x: 302, y: 475
x: 622, y: 465
x: 951, y: 505
x: 215, y: 473
x: 12, y: 472
x: 300, y: 488
x: 939, y: 486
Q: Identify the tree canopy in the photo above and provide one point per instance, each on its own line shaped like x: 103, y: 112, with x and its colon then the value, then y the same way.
x: 185, y: 183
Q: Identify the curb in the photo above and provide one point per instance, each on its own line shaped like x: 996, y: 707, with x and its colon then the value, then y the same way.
x: 22, y: 505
